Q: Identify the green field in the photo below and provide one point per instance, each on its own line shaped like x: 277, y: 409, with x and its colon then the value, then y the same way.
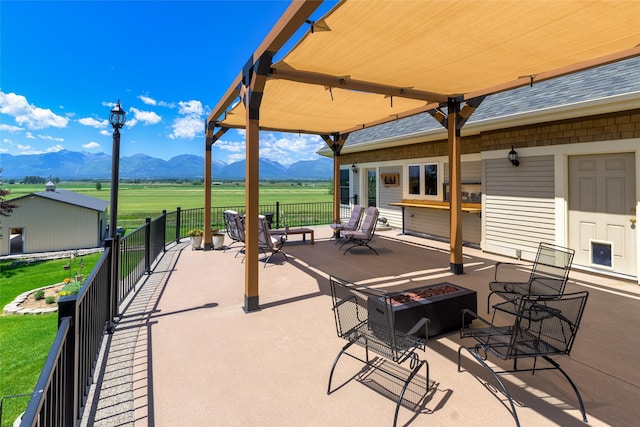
x: 136, y: 201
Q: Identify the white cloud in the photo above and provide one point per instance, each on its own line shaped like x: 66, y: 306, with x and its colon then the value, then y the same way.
x: 147, y: 100
x: 191, y: 124
x: 187, y: 127
x: 29, y: 135
x: 90, y: 121
x: 91, y: 145
x: 144, y: 117
x: 280, y: 147
x: 105, y: 132
x: 9, y: 128
x: 29, y: 115
x: 55, y: 149
x: 50, y: 138
x: 24, y: 147
x: 190, y: 108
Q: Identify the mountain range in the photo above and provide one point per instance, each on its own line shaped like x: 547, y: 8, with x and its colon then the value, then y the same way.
x: 82, y: 165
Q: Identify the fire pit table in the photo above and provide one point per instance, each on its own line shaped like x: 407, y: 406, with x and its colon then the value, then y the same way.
x: 440, y: 303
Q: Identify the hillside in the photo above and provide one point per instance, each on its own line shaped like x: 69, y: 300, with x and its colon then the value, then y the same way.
x: 82, y: 165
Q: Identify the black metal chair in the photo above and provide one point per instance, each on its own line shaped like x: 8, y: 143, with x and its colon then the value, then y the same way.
x: 235, y: 228
x: 365, y: 233
x: 542, y: 327
x: 268, y: 242
x: 364, y: 316
x: 548, y: 276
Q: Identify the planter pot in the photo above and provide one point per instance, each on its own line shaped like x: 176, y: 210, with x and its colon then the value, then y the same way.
x: 196, y: 241
x: 218, y: 241
x: 79, y: 277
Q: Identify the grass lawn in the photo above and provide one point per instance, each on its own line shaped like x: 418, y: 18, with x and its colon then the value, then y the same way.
x: 136, y: 201
x: 25, y: 341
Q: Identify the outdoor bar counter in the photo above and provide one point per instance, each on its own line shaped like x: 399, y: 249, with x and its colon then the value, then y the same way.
x: 475, y: 208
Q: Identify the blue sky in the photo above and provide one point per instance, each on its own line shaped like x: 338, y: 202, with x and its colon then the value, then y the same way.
x: 64, y: 64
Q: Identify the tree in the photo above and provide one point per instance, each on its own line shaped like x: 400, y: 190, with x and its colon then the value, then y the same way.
x: 98, y: 186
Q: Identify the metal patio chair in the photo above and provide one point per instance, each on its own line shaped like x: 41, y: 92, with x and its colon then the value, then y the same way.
x: 235, y: 228
x: 351, y: 225
x: 548, y: 276
x: 365, y: 233
x: 268, y: 242
x: 364, y: 316
x: 542, y: 327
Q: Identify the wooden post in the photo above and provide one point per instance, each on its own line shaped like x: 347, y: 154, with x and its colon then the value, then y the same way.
x: 455, y: 208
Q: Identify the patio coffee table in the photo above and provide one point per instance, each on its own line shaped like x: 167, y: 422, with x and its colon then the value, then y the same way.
x: 291, y: 231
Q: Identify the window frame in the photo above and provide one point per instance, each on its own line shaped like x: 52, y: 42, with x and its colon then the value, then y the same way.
x: 422, y: 181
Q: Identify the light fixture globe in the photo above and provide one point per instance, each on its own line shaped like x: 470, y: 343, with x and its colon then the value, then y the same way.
x: 354, y: 168
x: 513, y: 157
x: 117, y: 117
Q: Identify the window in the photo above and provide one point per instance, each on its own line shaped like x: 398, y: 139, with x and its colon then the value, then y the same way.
x: 423, y: 181
x: 344, y: 186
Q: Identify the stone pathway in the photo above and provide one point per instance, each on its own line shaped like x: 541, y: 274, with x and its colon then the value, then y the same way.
x: 119, y: 393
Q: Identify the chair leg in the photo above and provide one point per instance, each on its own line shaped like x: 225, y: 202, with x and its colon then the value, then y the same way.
x: 335, y: 362
x: 575, y: 389
x: 494, y: 375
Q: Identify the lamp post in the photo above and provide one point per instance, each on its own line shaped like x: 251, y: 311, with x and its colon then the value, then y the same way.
x: 117, y: 119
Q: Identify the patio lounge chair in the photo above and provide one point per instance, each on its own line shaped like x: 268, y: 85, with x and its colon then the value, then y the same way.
x: 364, y: 316
x: 235, y: 228
x: 351, y: 225
x: 363, y: 236
x: 549, y: 275
x: 268, y: 242
x: 542, y: 327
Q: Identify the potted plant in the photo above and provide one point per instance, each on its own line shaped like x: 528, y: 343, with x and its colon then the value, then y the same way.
x: 217, y: 238
x: 195, y: 237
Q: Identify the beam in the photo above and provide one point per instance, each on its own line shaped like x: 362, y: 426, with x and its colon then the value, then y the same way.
x: 290, y: 21
x: 357, y: 85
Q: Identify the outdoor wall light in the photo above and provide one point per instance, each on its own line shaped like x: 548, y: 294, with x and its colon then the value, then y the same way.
x: 354, y: 168
x: 513, y: 157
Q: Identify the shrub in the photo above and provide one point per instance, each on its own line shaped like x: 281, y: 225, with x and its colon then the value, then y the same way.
x: 50, y: 299
x: 195, y: 232
x: 70, y: 288
x: 38, y: 295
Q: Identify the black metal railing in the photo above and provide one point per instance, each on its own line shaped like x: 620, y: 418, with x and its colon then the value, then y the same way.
x: 83, y: 319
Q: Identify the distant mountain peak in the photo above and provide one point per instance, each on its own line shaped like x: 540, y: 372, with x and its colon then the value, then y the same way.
x: 70, y: 165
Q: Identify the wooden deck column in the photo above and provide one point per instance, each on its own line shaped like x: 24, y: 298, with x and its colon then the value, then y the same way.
x: 210, y: 139
x: 253, y: 82
x: 336, y: 142
x: 455, y: 210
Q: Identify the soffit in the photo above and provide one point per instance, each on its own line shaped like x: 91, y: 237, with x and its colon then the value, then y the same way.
x: 452, y: 48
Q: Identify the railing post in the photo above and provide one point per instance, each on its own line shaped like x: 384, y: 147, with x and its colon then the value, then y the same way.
x: 178, y: 210
x: 67, y: 308
x: 277, y: 214
x: 147, y: 246
x: 164, y: 230
x: 114, y: 245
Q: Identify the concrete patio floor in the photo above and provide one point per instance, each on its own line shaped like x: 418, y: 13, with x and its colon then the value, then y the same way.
x: 185, y: 353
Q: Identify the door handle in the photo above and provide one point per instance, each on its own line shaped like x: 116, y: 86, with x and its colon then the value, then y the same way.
x: 633, y: 223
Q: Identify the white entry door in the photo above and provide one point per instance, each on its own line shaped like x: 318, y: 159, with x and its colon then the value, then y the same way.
x: 602, y: 201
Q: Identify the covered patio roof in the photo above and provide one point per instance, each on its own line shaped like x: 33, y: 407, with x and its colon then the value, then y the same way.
x: 365, y: 63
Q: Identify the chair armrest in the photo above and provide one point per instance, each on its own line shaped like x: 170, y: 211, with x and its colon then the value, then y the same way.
x: 419, y: 324
x: 466, y: 332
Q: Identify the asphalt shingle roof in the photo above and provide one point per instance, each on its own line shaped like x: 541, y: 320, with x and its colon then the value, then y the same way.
x: 606, y: 81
